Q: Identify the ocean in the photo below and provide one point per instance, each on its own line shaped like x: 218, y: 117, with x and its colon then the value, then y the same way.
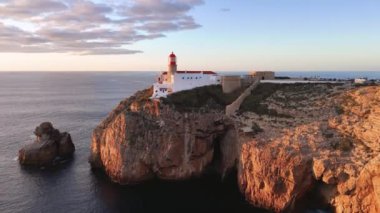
x: 76, y: 102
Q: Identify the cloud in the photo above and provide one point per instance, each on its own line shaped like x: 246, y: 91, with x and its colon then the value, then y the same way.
x: 161, y: 26
x: 89, y: 27
x: 225, y: 9
x: 28, y: 9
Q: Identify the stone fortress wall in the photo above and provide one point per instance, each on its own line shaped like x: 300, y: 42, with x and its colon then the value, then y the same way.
x: 263, y: 75
x: 234, y: 82
x: 231, y: 83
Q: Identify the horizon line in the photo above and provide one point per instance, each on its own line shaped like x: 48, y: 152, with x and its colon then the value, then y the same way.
x: 52, y: 71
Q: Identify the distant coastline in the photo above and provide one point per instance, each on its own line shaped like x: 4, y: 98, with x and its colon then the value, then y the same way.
x: 325, y: 74
x: 295, y: 74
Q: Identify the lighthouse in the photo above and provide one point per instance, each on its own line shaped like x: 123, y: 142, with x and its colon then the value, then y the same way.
x: 172, y: 66
x: 172, y: 80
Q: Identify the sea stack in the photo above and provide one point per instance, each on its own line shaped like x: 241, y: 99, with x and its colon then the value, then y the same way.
x: 48, y: 148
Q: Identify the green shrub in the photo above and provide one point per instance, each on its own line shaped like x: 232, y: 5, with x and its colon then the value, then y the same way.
x: 260, y: 94
x: 328, y: 134
x: 343, y: 144
x: 256, y: 128
x: 211, y: 97
x: 339, y: 110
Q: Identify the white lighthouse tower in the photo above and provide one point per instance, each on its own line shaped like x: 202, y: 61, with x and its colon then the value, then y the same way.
x: 172, y: 67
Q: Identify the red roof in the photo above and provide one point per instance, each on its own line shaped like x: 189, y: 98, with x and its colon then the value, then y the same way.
x: 172, y: 55
x: 195, y: 72
x: 209, y: 72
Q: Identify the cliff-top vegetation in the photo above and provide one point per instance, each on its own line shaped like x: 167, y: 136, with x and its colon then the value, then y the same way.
x: 202, y: 98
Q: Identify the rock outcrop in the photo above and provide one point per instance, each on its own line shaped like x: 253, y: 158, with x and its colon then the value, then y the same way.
x: 290, y: 141
x: 50, y: 145
x: 274, y: 178
x: 328, y: 139
x: 144, y: 139
x: 358, y: 174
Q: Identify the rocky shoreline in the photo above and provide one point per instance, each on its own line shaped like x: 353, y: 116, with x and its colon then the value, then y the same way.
x: 296, y: 139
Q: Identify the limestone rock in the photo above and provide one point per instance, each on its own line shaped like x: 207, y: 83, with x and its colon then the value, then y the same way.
x: 49, y: 145
x: 273, y: 178
x: 141, y: 141
x: 66, y: 146
x: 319, y: 167
x: 39, y: 153
x: 339, y: 153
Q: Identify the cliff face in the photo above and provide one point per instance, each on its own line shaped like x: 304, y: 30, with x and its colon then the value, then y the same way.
x: 329, y: 137
x: 359, y: 191
x: 143, y: 139
x: 286, y: 141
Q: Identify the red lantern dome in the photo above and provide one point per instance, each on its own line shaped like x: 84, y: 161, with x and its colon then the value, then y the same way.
x: 172, y: 59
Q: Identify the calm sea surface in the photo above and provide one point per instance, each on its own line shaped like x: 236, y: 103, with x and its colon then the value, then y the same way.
x: 77, y: 102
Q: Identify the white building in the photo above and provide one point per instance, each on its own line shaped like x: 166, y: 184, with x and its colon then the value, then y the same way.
x: 174, y: 81
x: 360, y: 80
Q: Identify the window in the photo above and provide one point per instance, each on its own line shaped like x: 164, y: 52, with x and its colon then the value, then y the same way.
x: 183, y: 77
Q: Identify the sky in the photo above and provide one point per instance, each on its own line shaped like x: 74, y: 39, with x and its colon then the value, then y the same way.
x: 220, y: 35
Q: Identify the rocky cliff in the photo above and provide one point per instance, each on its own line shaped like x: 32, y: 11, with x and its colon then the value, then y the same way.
x: 287, y: 141
x: 314, y: 136
x: 144, y: 139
